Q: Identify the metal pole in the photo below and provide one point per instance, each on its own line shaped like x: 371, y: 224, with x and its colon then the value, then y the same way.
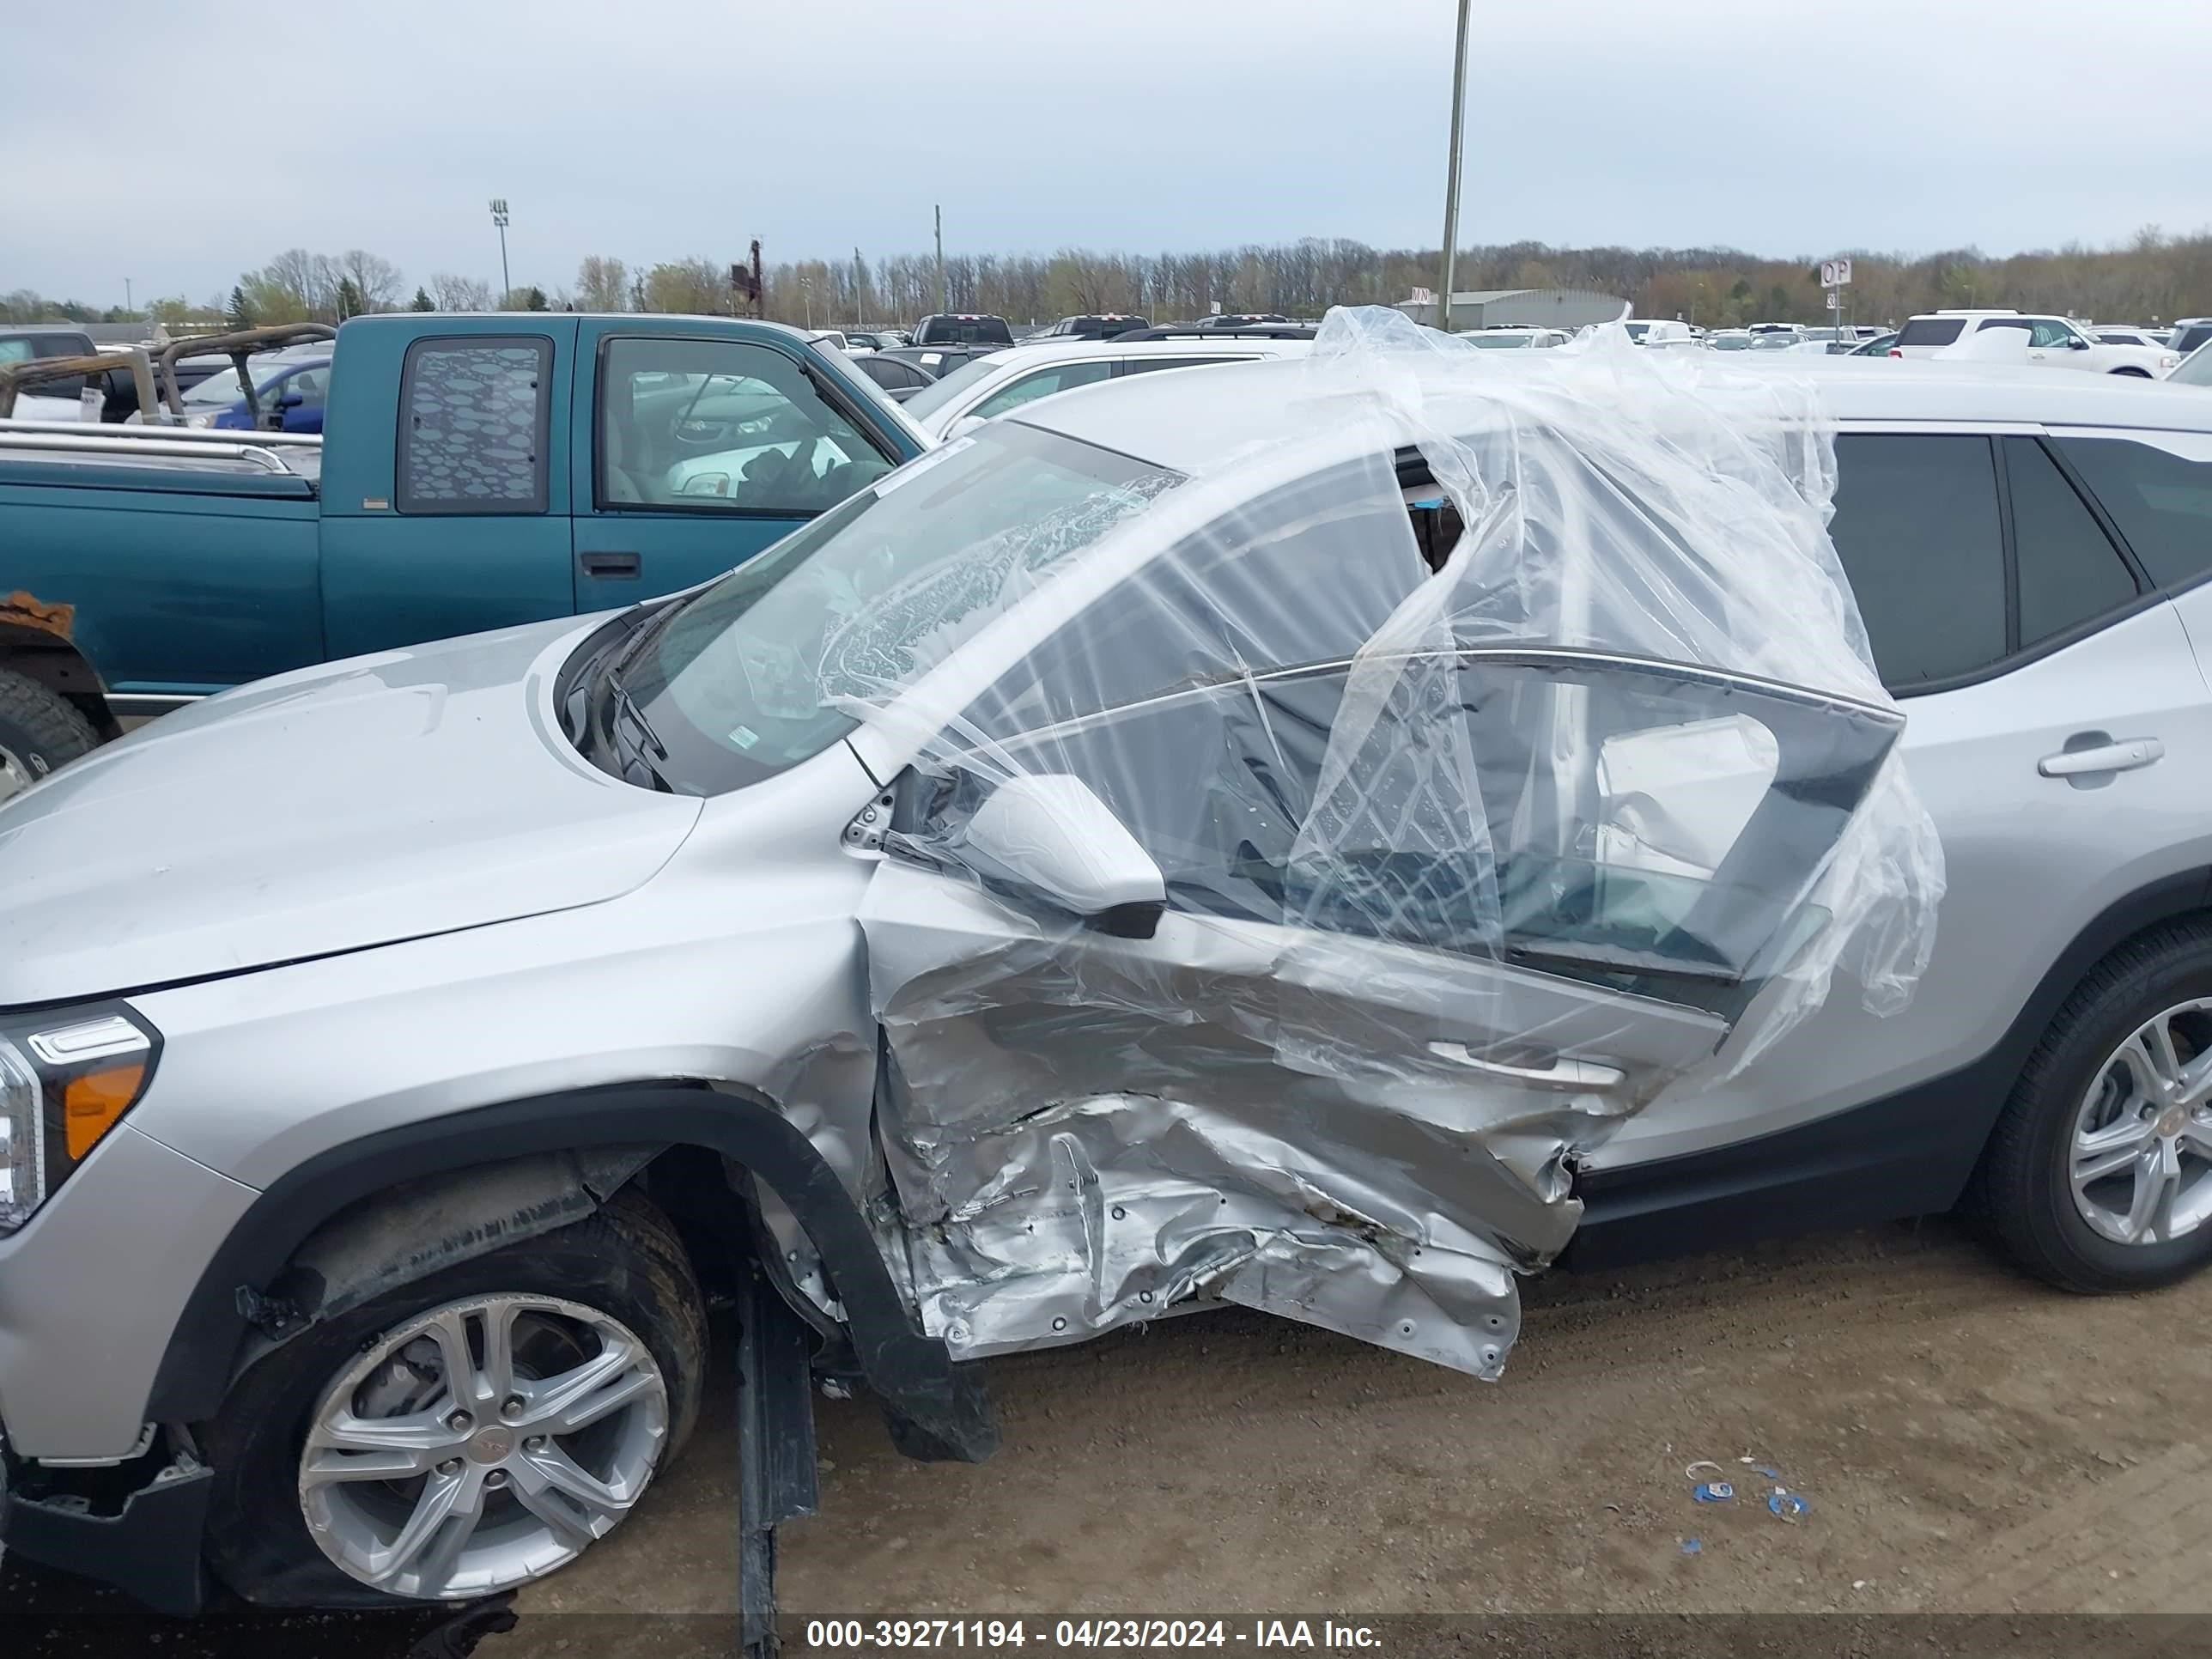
x: 1451, y: 184
x: 506, y: 282
x: 940, y: 258
x: 127, y: 306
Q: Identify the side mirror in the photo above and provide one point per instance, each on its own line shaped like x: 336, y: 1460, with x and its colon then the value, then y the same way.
x: 963, y: 426
x: 1050, y: 835
x: 2075, y: 343
x: 290, y: 400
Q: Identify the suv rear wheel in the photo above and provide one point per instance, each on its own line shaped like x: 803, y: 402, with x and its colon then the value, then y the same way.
x: 2098, y: 1173
x: 467, y: 1433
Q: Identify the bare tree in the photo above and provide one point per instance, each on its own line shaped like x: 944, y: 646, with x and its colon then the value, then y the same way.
x: 601, y: 284
x: 688, y: 285
x: 378, y: 281
x: 459, y: 293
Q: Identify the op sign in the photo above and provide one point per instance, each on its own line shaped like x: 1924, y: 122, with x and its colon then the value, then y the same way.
x: 1835, y: 273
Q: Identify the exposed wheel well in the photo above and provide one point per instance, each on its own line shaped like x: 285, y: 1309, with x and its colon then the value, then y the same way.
x: 2134, y: 373
x: 273, y: 1275
x: 34, y: 643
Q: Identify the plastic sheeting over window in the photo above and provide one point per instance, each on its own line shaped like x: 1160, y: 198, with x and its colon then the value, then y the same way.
x: 1282, y: 893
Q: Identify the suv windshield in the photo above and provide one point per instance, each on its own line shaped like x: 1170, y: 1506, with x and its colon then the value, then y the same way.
x: 748, y: 676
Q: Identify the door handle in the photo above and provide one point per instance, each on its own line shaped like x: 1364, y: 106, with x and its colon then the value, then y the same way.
x: 2125, y: 755
x: 616, y: 565
x: 1561, y: 1072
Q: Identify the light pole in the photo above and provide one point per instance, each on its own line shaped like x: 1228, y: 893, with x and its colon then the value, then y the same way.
x: 127, y: 306
x: 1451, y: 177
x: 806, y: 291
x: 499, y: 218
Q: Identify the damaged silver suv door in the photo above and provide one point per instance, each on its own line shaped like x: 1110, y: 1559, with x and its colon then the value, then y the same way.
x: 1204, y: 990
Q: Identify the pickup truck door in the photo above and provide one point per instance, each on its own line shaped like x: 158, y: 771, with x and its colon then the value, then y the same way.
x: 452, y: 517
x: 691, y: 452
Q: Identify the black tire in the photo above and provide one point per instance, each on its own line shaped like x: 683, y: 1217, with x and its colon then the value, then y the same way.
x: 41, y: 729
x: 625, y: 1261
x: 2134, y: 373
x: 2022, y: 1192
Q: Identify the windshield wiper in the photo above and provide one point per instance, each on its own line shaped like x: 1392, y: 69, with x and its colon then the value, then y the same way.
x: 631, y: 737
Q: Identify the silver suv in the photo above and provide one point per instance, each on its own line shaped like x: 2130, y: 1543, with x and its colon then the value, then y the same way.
x: 394, y: 1055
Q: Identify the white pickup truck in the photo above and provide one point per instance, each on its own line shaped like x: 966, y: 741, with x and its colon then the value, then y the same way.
x: 2057, y: 342
x: 67, y: 400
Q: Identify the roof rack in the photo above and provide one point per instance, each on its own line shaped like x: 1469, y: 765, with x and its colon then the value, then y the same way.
x: 1253, y: 331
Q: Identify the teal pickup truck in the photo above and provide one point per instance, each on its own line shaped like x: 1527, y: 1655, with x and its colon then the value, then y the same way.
x: 474, y: 472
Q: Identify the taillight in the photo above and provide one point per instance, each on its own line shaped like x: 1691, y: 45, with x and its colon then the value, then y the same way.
x: 1895, y: 352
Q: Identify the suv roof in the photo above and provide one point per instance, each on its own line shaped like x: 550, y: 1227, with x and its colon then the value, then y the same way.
x: 1247, y: 331
x: 1192, y: 422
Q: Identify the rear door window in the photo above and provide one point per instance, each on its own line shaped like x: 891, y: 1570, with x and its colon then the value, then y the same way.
x: 473, y: 419
x: 1930, y: 331
x: 2159, y: 496
x: 1146, y: 365
x: 1918, y: 529
x: 1042, y: 384
x: 2068, y: 571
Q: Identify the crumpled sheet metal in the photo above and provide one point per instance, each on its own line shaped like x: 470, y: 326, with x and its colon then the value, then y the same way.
x: 1464, y: 865
x: 1084, y: 1131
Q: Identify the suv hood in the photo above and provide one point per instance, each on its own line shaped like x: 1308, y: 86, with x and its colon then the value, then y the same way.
x: 356, y: 804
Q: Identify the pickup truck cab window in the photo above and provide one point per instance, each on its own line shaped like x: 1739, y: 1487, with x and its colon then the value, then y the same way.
x: 473, y: 415
x: 721, y: 426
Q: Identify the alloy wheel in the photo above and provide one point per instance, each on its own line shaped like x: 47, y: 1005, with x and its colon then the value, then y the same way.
x: 481, y: 1445
x: 2139, y: 1159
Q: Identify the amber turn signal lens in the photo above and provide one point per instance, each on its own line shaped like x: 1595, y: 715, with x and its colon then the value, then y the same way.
x: 91, y: 1103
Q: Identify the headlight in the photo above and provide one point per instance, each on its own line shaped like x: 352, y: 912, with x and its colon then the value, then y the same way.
x: 706, y: 484
x: 65, y: 1081
x: 206, y: 420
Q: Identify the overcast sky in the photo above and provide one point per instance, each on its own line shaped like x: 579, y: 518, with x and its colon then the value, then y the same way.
x: 658, y: 128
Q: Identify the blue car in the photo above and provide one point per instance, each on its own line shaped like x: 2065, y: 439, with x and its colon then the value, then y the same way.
x: 295, y: 386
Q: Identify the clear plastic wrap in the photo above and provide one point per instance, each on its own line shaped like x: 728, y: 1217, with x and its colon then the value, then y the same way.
x: 1303, y: 847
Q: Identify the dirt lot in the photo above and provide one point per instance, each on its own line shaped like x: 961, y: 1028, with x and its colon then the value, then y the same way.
x: 1968, y: 1441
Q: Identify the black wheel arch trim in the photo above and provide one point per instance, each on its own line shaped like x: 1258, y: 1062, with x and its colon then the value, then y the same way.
x: 1904, y: 1154
x: 936, y: 1410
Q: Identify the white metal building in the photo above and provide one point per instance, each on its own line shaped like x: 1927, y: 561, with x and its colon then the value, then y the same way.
x: 1547, y: 307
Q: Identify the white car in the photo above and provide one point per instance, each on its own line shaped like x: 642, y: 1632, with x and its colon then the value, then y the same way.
x: 2056, y: 342
x: 989, y: 387
x: 1665, y: 333
x: 1507, y: 336
x: 2126, y: 335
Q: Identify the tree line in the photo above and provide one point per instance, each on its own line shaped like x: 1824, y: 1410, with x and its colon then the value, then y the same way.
x: 2152, y: 277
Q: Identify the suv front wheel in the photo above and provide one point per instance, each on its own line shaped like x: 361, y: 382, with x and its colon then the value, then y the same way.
x: 2098, y: 1174
x: 467, y: 1433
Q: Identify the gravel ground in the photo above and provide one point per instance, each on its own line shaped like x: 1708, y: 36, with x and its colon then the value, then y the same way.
x: 1967, y: 1442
